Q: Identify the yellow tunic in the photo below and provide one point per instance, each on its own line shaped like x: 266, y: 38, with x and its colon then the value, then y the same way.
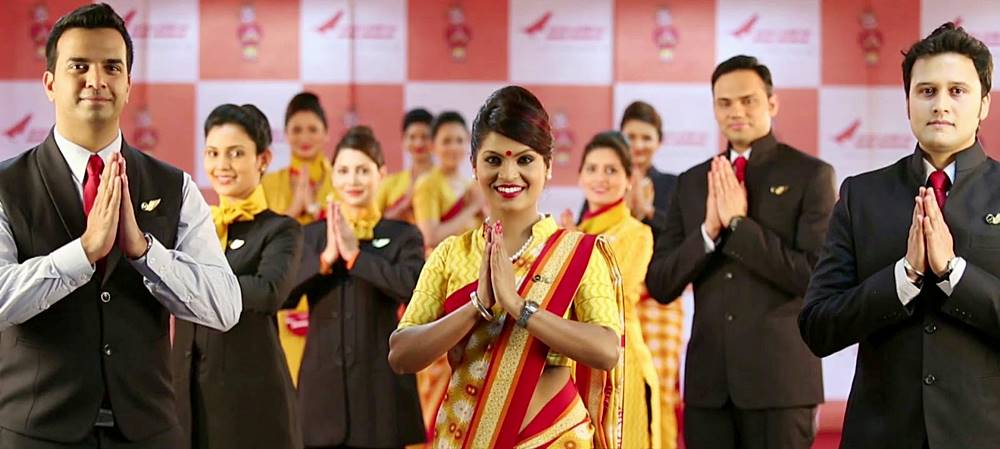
x: 392, y: 188
x: 278, y: 190
x: 433, y: 197
x: 632, y: 242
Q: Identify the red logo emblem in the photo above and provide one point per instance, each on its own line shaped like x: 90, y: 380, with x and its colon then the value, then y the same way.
x: 458, y: 33
x: 665, y: 35
x: 18, y: 128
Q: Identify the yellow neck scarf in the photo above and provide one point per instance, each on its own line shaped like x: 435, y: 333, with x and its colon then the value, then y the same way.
x: 317, y: 168
x: 231, y: 210
x: 600, y: 220
x: 362, y: 222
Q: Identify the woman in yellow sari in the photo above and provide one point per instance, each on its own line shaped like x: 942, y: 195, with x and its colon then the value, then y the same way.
x: 530, y: 315
x: 395, y: 194
x: 605, y: 171
x: 445, y: 202
x: 298, y: 191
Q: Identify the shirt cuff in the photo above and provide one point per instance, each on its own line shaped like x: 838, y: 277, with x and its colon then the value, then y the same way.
x: 948, y: 285
x: 709, y: 243
x: 71, y: 263
x: 904, y: 288
x: 155, y: 262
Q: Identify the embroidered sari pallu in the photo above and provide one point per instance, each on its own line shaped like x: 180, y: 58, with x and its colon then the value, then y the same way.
x: 489, y: 392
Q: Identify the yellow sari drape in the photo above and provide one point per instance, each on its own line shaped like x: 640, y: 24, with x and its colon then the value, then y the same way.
x: 632, y: 242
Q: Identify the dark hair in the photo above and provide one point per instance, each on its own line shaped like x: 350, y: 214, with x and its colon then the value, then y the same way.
x: 305, y: 101
x: 90, y: 17
x: 361, y: 138
x: 445, y: 118
x: 418, y: 115
x: 949, y: 38
x: 643, y: 112
x: 744, y: 62
x: 515, y: 113
x: 614, y: 141
x: 248, y: 117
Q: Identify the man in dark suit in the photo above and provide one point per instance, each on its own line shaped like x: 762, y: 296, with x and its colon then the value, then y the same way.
x: 99, y: 245
x: 911, y: 268
x: 745, y: 228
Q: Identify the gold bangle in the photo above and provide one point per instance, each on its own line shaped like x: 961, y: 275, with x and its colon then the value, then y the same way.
x: 483, y: 311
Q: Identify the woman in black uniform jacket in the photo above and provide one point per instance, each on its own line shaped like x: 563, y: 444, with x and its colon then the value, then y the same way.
x: 233, y: 389
x: 357, y: 269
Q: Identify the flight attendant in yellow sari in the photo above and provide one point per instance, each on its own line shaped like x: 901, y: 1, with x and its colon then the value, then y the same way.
x: 604, y: 178
x: 395, y: 195
x: 299, y: 191
x: 530, y: 315
x: 444, y: 202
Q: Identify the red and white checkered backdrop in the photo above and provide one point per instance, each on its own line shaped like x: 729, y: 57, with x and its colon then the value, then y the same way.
x: 836, y: 65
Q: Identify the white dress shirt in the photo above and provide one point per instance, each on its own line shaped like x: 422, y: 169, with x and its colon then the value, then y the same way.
x: 905, y: 289
x: 709, y: 243
x: 194, y: 281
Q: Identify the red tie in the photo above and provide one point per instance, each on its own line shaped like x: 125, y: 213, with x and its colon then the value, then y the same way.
x: 941, y: 183
x: 95, y: 166
x: 740, y: 167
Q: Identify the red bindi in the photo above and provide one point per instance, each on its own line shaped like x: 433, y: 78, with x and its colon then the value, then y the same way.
x: 509, y: 153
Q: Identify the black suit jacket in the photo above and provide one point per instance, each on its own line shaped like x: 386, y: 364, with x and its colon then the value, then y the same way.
x: 348, y: 394
x: 930, y: 369
x: 748, y: 293
x: 233, y: 389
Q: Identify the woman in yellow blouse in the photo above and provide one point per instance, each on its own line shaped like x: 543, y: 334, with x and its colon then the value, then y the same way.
x: 395, y: 194
x: 444, y: 202
x: 529, y: 315
x: 298, y: 191
x: 604, y: 177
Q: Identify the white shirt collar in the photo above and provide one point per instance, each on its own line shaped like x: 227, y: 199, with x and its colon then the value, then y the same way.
x: 733, y: 154
x: 949, y: 170
x: 77, y: 156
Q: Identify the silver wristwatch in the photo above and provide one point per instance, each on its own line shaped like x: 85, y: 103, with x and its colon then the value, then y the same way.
x: 527, y: 310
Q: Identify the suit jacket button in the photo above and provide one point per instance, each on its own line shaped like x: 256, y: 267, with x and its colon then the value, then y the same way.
x: 107, y: 350
x: 105, y: 297
x: 930, y: 328
x: 729, y: 275
x: 929, y: 379
x: 729, y: 317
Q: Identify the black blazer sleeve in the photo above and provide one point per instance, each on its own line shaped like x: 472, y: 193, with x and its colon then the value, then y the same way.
x: 766, y: 255
x: 395, y: 278
x: 677, y: 259
x: 975, y: 300
x: 307, y: 279
x: 266, y: 290
x: 840, y: 309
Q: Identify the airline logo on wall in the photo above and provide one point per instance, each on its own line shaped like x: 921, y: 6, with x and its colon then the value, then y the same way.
x: 870, y: 37
x: 665, y: 34
x: 21, y: 132
x: 751, y: 31
x: 563, y: 139
x: 144, y: 136
x: 851, y: 136
x: 39, y: 31
x: 249, y: 32
x: 457, y: 34
x: 989, y: 37
x: 144, y: 30
x: 544, y: 28
x: 374, y: 31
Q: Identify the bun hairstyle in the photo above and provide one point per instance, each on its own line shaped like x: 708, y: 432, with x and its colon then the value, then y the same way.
x: 515, y: 113
x: 643, y: 112
x: 418, y: 115
x: 248, y: 117
x: 305, y: 101
x: 445, y: 118
x: 614, y: 141
x: 361, y: 138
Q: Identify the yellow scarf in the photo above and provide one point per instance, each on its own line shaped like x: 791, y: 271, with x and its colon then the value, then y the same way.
x: 317, y: 168
x: 230, y: 211
x: 599, y: 221
x: 363, y: 222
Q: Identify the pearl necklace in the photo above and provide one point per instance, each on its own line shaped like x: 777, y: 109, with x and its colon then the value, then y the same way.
x: 520, y: 251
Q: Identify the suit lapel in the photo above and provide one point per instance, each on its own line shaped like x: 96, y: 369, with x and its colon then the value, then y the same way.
x: 58, y: 181
x: 247, y: 231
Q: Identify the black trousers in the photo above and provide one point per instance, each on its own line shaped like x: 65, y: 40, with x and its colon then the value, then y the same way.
x: 100, y: 438
x: 731, y: 427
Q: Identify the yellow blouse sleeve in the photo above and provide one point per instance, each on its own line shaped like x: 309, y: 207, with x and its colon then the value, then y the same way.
x: 426, y: 204
x: 427, y: 302
x: 595, y: 301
